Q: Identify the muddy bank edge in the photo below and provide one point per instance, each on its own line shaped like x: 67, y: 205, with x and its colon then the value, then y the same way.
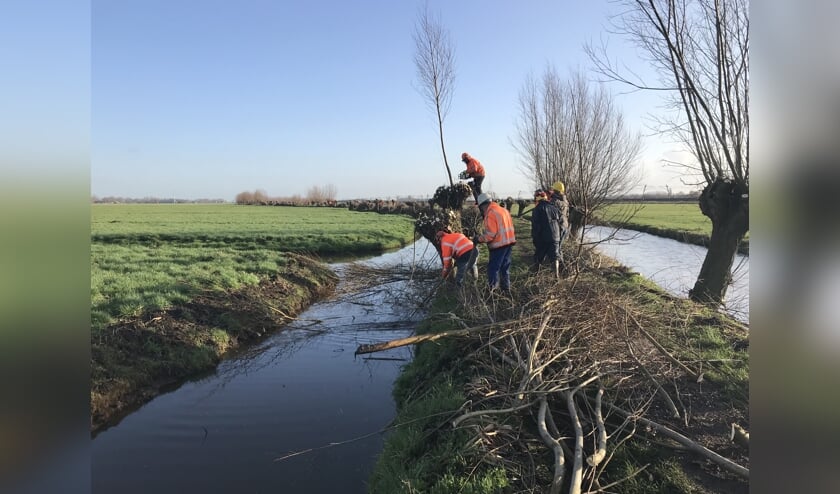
x: 131, y: 361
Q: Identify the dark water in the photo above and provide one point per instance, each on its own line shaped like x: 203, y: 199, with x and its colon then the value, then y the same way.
x: 300, y: 389
x: 673, y: 265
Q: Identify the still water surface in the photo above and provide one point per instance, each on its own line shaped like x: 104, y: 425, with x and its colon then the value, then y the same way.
x: 672, y: 265
x: 299, y: 389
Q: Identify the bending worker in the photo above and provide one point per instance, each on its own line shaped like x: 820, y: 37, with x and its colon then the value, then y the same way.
x: 457, y: 247
x: 500, y: 239
x: 475, y: 171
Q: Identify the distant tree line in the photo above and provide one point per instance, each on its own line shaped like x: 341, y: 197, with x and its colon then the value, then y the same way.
x: 315, y: 196
x: 152, y: 200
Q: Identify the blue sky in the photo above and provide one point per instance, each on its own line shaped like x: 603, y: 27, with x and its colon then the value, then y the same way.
x: 208, y: 99
x: 44, y: 91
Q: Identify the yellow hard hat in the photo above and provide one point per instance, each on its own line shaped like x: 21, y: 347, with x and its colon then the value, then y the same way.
x: 559, y: 187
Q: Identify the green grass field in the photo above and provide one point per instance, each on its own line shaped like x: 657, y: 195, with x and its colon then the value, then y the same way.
x: 147, y: 256
x: 291, y: 229
x: 680, y: 216
x: 682, y: 221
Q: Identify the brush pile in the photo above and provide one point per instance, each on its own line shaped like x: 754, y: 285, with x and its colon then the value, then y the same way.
x: 562, y: 380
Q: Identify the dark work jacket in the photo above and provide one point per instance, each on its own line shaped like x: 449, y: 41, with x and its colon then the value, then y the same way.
x: 545, y: 223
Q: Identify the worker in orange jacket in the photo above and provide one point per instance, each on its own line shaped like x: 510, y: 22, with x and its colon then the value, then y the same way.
x: 475, y: 171
x: 500, y: 238
x: 458, y: 248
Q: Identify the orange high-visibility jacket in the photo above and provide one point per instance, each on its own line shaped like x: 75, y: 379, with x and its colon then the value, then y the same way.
x: 474, y: 168
x: 453, y: 245
x: 498, y: 227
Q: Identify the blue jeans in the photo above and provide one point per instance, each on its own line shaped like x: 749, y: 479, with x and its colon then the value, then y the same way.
x: 463, y: 264
x: 498, y: 267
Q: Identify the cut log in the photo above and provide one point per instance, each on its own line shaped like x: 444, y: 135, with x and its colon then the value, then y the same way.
x: 411, y: 340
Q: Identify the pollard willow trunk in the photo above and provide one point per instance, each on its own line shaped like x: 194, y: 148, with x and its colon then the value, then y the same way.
x: 726, y: 203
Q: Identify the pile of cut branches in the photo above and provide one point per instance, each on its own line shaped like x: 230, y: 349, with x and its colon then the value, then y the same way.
x: 574, y: 371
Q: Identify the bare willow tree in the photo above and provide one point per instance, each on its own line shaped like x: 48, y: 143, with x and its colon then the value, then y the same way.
x: 570, y: 130
x: 700, y: 49
x: 322, y: 193
x: 435, y: 61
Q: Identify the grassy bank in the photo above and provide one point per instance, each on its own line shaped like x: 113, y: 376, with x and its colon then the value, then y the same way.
x: 175, y: 287
x: 676, y: 220
x: 571, y: 331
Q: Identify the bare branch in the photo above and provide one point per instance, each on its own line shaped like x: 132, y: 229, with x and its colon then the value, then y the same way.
x: 555, y: 445
x: 688, y: 443
x: 601, y: 451
x: 434, y: 59
x: 701, y: 50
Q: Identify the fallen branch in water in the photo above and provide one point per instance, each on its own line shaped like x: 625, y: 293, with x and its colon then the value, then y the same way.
x: 411, y: 340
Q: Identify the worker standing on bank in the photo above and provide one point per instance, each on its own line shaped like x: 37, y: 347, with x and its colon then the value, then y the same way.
x: 558, y: 198
x: 458, y: 248
x: 475, y: 171
x: 500, y: 239
x: 546, y: 226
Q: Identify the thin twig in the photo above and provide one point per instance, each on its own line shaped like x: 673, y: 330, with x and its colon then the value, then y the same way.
x: 659, y: 389
x: 659, y: 347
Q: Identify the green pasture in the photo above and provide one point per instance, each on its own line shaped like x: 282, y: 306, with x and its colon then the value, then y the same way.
x: 319, y: 231
x: 148, y: 256
x: 683, y: 216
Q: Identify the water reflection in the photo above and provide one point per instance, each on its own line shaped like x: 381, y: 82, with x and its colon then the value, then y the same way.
x: 300, y: 389
x: 671, y: 264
